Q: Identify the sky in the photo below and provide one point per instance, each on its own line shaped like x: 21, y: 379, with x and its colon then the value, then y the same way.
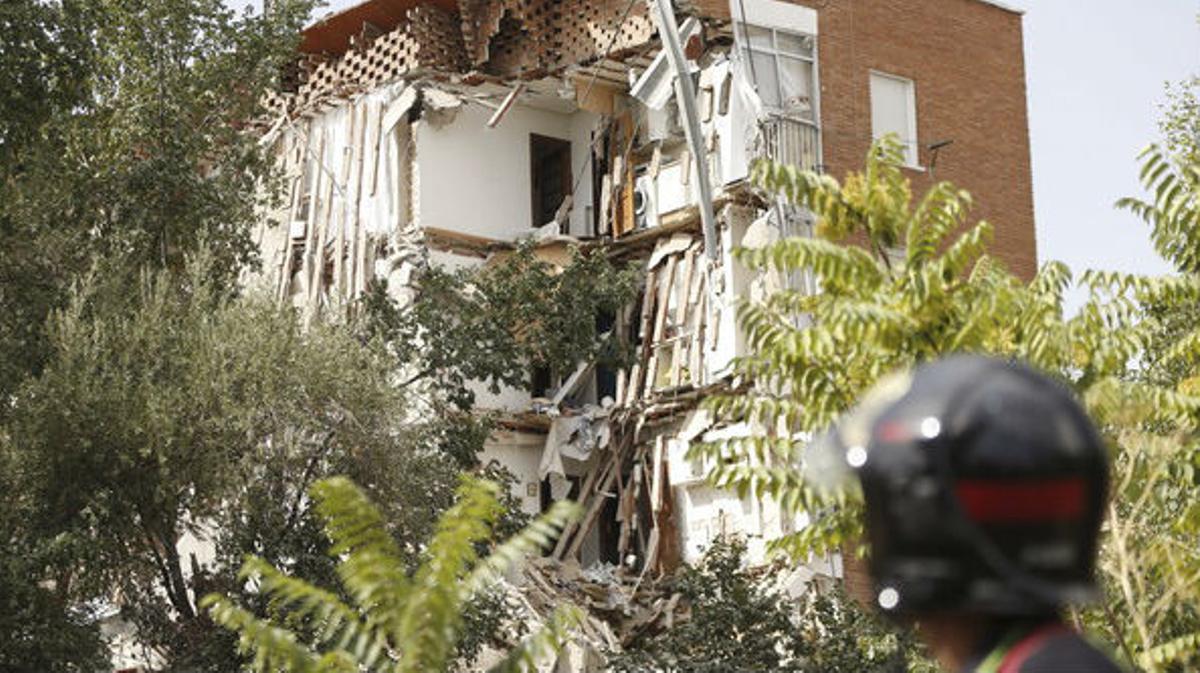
x: 1096, y: 72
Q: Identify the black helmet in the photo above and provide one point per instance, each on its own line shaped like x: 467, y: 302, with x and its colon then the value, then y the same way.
x: 984, y: 484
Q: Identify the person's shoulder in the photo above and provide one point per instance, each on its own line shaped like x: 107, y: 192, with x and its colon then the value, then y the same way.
x: 1068, y: 652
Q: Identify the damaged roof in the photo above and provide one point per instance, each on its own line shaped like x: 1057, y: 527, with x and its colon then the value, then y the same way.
x: 380, y: 41
x: 331, y: 34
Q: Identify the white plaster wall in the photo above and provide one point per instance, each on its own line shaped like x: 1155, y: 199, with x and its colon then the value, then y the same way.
x: 736, y: 129
x: 736, y: 281
x: 778, y: 14
x: 476, y: 180
x: 582, y: 126
x: 520, y: 453
x: 707, y: 513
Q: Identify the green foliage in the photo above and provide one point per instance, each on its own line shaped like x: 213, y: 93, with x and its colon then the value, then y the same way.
x: 395, y: 620
x: 122, y: 148
x: 39, y: 631
x: 184, y: 410
x: 1180, y: 123
x: 1173, y: 211
x: 1153, y: 558
x: 495, y: 324
x: 904, y: 282
x: 741, y: 621
x: 44, y: 61
x: 123, y: 145
x: 180, y: 408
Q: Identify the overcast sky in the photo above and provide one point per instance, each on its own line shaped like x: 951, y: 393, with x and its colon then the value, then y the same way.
x: 1096, y: 71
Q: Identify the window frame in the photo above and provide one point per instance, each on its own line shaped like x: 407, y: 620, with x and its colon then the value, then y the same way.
x: 747, y: 49
x: 541, y: 146
x: 911, y: 143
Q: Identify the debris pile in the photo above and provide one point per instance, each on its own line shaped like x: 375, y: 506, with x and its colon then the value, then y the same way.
x: 619, y: 605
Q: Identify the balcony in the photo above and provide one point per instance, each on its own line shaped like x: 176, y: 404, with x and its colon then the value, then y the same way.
x: 791, y: 141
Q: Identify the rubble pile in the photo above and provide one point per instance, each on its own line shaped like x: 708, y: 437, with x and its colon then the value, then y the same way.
x: 619, y: 605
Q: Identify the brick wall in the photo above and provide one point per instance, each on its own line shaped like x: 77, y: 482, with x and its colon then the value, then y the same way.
x: 967, y: 61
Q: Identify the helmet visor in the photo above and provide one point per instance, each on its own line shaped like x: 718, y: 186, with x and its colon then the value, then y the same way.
x: 834, y: 457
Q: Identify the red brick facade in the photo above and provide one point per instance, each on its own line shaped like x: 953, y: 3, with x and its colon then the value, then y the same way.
x: 966, y: 59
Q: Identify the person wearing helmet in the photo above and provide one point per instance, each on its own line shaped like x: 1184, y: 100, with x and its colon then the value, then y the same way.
x: 984, y: 484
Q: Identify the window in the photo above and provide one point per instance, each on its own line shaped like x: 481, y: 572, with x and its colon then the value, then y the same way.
x: 894, y: 110
x: 550, y: 161
x: 781, y: 65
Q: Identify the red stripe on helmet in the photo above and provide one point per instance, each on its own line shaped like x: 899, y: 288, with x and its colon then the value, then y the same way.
x: 996, y: 501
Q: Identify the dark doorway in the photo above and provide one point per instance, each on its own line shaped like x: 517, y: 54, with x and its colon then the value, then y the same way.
x: 550, y: 161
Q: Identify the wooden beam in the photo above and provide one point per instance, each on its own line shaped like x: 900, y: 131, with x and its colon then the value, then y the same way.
x: 665, y: 287
x: 681, y: 312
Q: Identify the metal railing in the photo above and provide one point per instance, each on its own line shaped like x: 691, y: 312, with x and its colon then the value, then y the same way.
x: 795, y: 142
x: 791, y: 141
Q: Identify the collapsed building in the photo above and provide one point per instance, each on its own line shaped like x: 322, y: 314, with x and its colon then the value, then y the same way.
x: 441, y: 132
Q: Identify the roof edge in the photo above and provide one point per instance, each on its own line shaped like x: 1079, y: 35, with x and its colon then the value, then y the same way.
x: 1003, y: 5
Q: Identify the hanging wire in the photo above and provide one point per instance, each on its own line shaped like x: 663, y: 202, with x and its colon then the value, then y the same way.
x: 746, y: 36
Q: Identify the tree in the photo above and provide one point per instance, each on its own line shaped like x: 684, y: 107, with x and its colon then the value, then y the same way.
x: 114, y: 156
x: 903, y: 283
x: 741, y: 621
x: 123, y: 145
x: 199, y: 413
x: 38, y: 630
x: 397, y: 621
x: 1155, y: 527
x: 1180, y: 124
x: 190, y: 411
x: 495, y: 324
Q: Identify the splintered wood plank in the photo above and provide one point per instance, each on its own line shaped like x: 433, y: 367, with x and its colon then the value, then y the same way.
x: 316, y: 285
x: 660, y: 324
x: 362, y: 237
x: 353, y: 235
x: 635, y: 382
x: 684, y: 287
x: 651, y: 556
x: 605, y: 203
x: 657, y: 487
x: 649, y: 298
x: 593, y: 512
x: 317, y: 180
x: 629, y: 503
x: 339, y: 245
x: 586, y: 493
x: 655, y: 161
x: 285, y: 264
x: 699, y: 324
x: 697, y: 283
x: 642, y: 350
x: 628, y: 216
x: 376, y: 141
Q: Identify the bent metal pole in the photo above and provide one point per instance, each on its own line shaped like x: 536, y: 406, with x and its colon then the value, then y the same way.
x: 685, y: 93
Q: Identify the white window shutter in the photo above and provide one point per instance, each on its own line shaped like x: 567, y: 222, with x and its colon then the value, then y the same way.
x: 892, y: 111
